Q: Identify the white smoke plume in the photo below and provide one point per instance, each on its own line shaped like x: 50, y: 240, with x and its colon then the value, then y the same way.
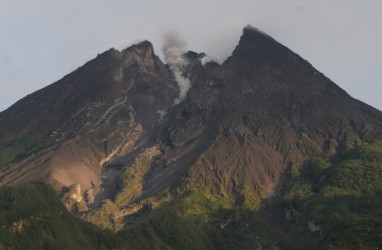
x: 173, y: 49
x: 205, y: 60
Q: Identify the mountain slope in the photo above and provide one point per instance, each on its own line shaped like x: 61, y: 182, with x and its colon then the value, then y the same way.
x: 88, y: 117
x: 264, y: 110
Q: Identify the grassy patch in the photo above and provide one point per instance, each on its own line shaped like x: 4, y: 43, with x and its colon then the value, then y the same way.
x: 342, y: 198
x: 32, y: 217
x: 19, y: 149
x: 132, y: 179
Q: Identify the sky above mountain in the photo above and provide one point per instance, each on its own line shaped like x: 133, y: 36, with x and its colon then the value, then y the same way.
x: 43, y: 40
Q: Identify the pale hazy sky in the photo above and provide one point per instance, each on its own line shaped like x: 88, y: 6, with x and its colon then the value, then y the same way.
x: 43, y: 40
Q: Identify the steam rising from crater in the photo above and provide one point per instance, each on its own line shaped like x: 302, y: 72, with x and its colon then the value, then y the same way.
x: 173, y: 49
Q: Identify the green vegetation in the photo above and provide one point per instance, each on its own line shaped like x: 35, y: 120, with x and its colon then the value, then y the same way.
x: 105, y: 215
x: 330, y: 203
x: 339, y: 201
x: 166, y: 229
x: 225, y: 229
x: 239, y: 229
x: 132, y: 179
x: 32, y: 217
x: 18, y: 149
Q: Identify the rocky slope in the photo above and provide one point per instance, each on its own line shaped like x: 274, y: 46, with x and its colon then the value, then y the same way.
x: 266, y: 109
x: 89, y: 117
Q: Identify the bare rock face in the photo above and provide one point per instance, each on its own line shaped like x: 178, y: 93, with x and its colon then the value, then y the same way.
x: 75, y: 192
x: 111, y: 128
x: 73, y: 199
x: 89, y: 196
x: 18, y: 226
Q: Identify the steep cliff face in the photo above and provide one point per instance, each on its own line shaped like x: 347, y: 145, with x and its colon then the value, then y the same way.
x: 112, y: 127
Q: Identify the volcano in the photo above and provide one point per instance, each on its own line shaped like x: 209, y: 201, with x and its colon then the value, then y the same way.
x: 118, y: 151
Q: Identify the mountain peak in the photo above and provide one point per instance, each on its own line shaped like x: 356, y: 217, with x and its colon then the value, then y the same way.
x: 257, y: 47
x: 252, y: 33
x: 108, y: 54
x: 141, y: 53
x: 256, y: 40
x: 144, y: 47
